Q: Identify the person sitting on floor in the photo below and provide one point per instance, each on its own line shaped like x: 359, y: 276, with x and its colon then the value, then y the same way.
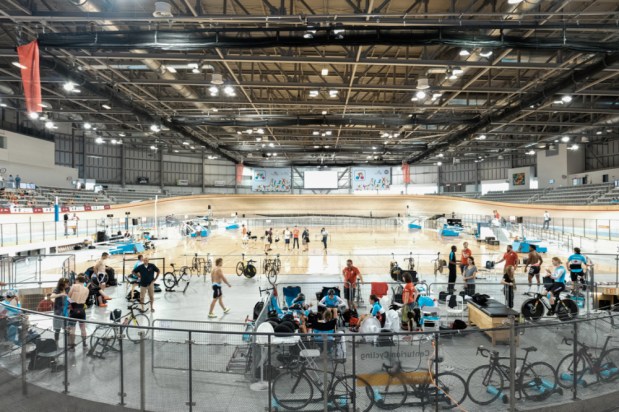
x: 376, y: 311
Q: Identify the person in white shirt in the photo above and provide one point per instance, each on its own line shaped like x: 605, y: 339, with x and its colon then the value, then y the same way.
x: 287, y: 236
x: 546, y: 220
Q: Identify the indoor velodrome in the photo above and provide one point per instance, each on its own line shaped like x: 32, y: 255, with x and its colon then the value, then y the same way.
x: 253, y: 205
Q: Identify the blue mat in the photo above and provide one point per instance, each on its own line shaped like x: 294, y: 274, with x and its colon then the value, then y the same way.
x: 414, y: 226
x: 232, y: 226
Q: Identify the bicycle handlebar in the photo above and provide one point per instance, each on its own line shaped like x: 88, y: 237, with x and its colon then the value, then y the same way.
x: 567, y: 341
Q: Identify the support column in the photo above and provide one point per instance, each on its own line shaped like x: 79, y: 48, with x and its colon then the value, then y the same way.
x: 203, y: 170
x: 161, y: 169
x: 123, y: 166
x: 73, y: 145
x: 84, y: 174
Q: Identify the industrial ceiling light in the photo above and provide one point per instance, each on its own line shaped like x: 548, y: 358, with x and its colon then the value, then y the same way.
x: 33, y: 115
x: 565, y: 139
x: 260, y: 131
x: 450, y: 75
x: 566, y: 99
x: 414, y: 99
x: 258, y: 139
x: 481, y: 137
x: 274, y: 154
x: 439, y: 163
x: 113, y: 141
x: 435, y: 96
x: 315, y: 133
x: 192, y: 147
x: 599, y: 132
x: 328, y: 132
x: 485, y: 53
x: 192, y: 65
x: 214, y: 91
x: 185, y: 143
x: 324, y: 112
x: 69, y: 86
x: 170, y: 69
x: 514, y: 1
x: 50, y: 125
x: 121, y: 134
x: 422, y: 83
x: 324, y: 72
x: 530, y: 152
x: 309, y: 34
x: 153, y: 148
x: 2, y: 104
x: 457, y: 70
x: 573, y: 147
x: 333, y: 93
x: 464, y: 53
x: 440, y: 155
x: 229, y: 90
x: 87, y: 126
x: 217, y: 78
x: 155, y: 128
x: 316, y: 147
x: 271, y: 144
x: 99, y: 140
x: 420, y: 95
x: 313, y: 93
x: 106, y: 106
x: 175, y: 150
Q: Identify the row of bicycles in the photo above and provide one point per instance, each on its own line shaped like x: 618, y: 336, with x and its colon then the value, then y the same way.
x: 393, y: 388
x: 270, y: 268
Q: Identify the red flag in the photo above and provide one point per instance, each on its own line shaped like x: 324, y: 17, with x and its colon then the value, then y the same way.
x: 406, y: 173
x: 239, y: 172
x: 30, y: 76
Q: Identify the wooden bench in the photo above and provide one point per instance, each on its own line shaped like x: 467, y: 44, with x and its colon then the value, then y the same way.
x: 384, y: 379
x: 494, y: 315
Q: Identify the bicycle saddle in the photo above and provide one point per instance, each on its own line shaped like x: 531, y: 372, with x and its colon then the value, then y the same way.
x: 251, y: 261
x: 530, y: 349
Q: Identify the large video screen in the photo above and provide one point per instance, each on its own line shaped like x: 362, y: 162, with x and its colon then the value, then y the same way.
x: 320, y: 180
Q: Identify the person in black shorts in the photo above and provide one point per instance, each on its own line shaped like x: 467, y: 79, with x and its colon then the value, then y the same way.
x: 533, y: 265
x: 78, y: 294
x: 218, y: 278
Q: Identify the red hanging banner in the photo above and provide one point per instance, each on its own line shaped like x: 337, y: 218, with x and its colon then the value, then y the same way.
x: 30, y: 76
x: 406, y: 173
x: 239, y: 172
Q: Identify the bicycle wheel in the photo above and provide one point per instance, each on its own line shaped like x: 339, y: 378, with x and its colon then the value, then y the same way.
x: 567, y: 309
x: 608, y: 370
x: 292, y: 390
x: 169, y: 280
x: 392, y: 395
x: 250, y: 271
x: 538, y: 381
x: 484, y: 385
x: 186, y: 273
x: 103, y: 335
x: 272, y: 276
x: 566, y: 368
x: 137, y: 320
x: 346, y: 396
x: 448, y: 391
x: 240, y: 268
x: 278, y: 265
x: 532, y: 309
x: 208, y: 267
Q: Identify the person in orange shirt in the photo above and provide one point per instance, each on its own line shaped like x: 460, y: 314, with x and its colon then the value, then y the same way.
x: 350, y: 273
x: 295, y: 237
x: 466, y: 254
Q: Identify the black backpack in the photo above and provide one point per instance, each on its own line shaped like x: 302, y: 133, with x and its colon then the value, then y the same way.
x: 42, y: 362
x: 385, y: 338
x: 258, y: 308
x: 489, y: 264
x: 481, y: 299
x: 442, y: 296
x: 458, y: 324
x: 453, y: 301
x: 397, y: 294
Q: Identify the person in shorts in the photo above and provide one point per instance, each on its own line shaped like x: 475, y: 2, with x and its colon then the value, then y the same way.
x: 148, y: 274
x: 332, y: 303
x: 217, y: 277
x: 306, y: 239
x: 558, y: 277
x: 351, y: 273
x: 78, y: 294
x: 287, y: 235
x: 577, y: 263
x: 533, y: 266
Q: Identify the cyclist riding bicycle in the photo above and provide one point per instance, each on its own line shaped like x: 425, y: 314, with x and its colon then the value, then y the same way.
x: 558, y: 285
x: 578, y: 266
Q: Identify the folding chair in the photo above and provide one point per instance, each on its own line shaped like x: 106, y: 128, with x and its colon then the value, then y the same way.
x: 290, y: 294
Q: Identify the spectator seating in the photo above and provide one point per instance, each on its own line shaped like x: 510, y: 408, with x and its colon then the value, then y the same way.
x: 574, y: 195
x: 608, y: 198
x: 513, y: 196
x: 74, y: 197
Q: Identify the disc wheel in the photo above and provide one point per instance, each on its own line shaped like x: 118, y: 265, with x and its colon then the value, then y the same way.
x: 240, y: 268
x: 292, y: 391
x: 396, y: 274
x: 532, y: 309
x: 392, y: 395
x: 133, y: 333
x: 448, y: 391
x: 349, y: 392
x: 250, y: 271
x: 484, y: 385
x: 104, y: 336
x: 538, y: 381
x: 567, y: 309
x: 609, y: 366
x: 169, y: 280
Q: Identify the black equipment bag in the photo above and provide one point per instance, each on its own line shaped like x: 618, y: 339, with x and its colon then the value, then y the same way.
x: 385, y: 338
x: 481, y: 299
x: 442, y: 296
x: 258, y: 308
x: 43, y: 346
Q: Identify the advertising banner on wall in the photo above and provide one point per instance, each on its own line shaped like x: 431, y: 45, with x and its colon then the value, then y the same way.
x: 371, y: 178
x: 271, y: 180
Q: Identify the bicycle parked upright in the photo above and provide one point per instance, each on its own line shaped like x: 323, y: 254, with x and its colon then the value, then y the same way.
x: 605, y: 368
x: 246, y: 269
x: 175, y: 277
x: 535, y: 381
x: 271, y: 268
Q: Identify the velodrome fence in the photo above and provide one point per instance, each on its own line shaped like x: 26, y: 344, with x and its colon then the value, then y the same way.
x: 571, y: 362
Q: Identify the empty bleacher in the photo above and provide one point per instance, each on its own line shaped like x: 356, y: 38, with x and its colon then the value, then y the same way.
x: 513, y: 196
x: 467, y: 195
x: 74, y: 197
x: 608, y: 198
x: 574, y: 195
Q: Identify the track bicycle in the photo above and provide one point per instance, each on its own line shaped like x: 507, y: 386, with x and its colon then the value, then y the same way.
x: 445, y: 390
x: 395, y: 270
x: 271, y: 268
x: 174, y: 278
x: 533, y: 309
x: 201, y: 266
x: 293, y: 389
x: 246, y: 269
x: 438, y: 264
x: 605, y: 367
x: 410, y: 261
x: 104, y: 337
x: 534, y: 381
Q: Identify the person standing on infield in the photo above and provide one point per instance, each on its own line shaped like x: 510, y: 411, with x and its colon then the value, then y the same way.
x: 148, y: 274
x: 217, y: 277
x: 534, y: 265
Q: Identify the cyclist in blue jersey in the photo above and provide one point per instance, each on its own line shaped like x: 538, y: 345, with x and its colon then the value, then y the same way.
x: 332, y: 303
x: 376, y: 310
x: 577, y: 263
x: 558, y: 276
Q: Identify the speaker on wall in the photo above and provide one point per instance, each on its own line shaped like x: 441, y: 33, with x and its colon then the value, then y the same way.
x: 519, y: 219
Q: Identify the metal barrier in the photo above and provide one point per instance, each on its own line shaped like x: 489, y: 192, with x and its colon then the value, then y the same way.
x: 346, y: 368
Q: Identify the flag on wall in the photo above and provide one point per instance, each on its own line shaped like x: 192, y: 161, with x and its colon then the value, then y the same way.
x: 30, y: 76
x: 239, y: 172
x: 406, y: 175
